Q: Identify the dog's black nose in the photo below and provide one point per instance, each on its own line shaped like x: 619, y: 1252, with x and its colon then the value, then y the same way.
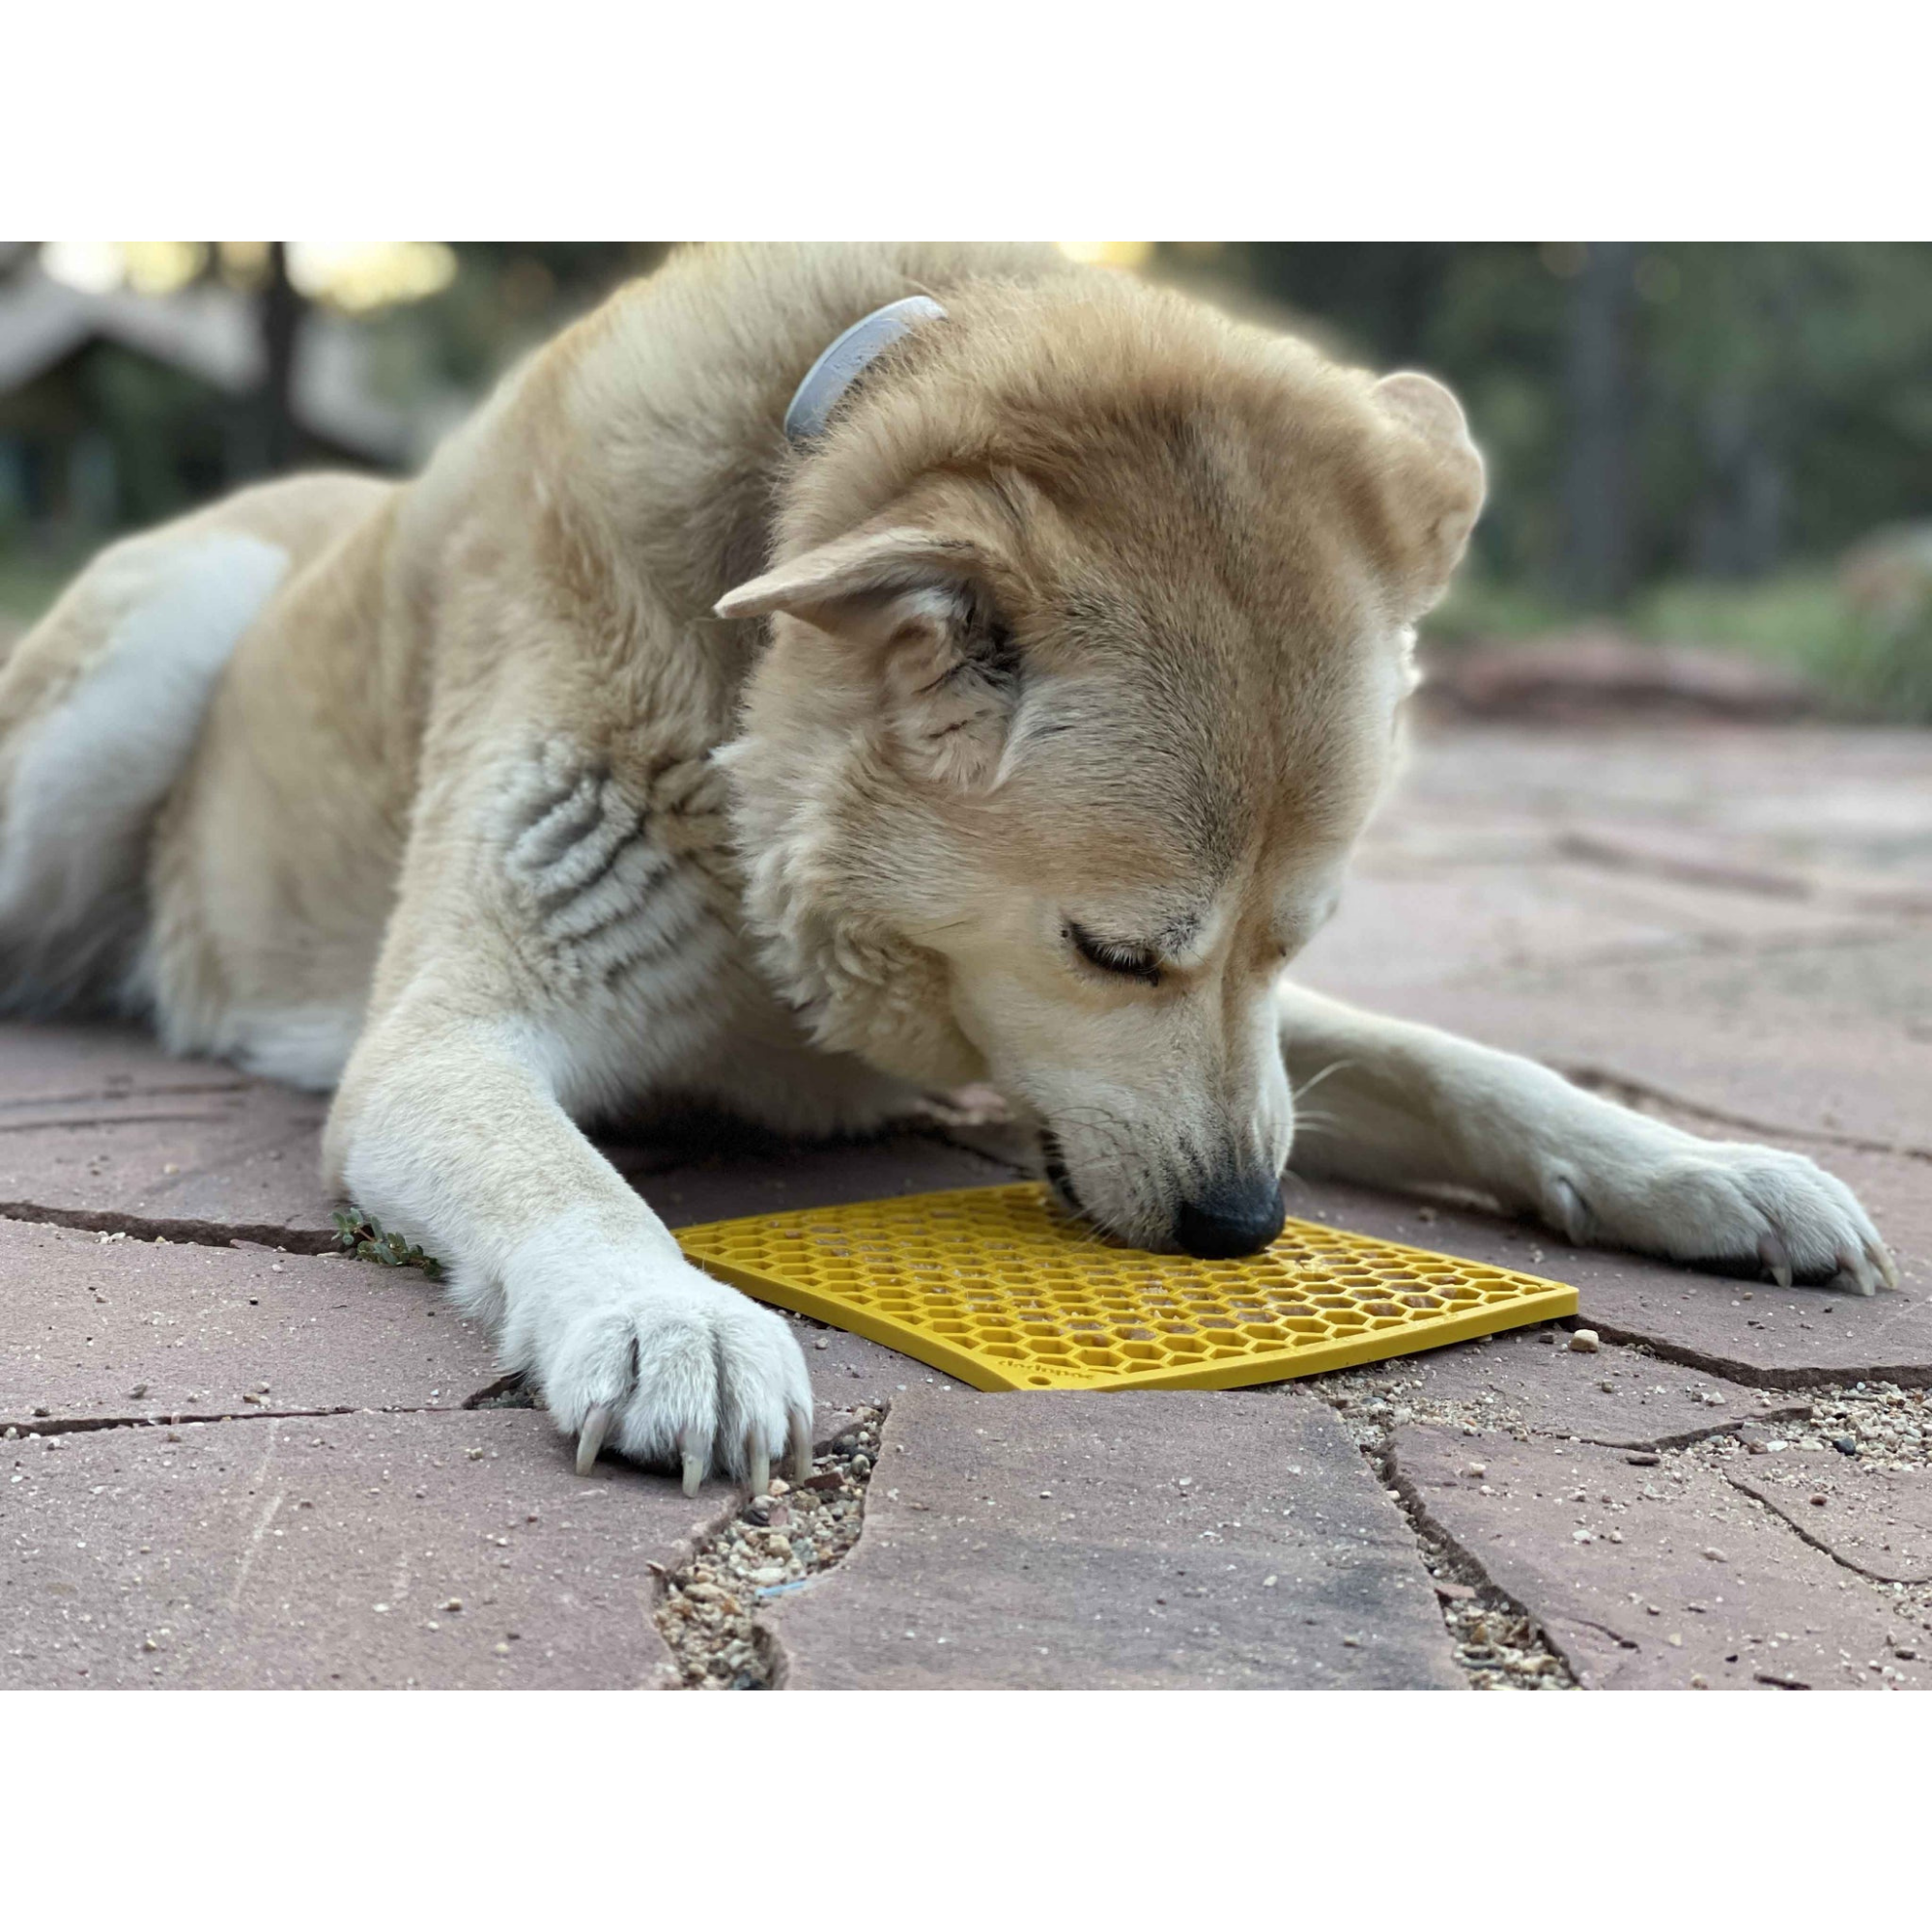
x: 1240, y: 1217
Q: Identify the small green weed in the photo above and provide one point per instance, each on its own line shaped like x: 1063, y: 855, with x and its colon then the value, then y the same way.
x: 364, y: 1236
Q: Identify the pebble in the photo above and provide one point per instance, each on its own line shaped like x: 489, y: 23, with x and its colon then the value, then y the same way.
x: 1845, y: 1445
x: 1584, y: 1342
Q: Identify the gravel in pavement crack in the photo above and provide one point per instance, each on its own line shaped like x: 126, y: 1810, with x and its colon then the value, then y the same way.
x: 777, y: 1542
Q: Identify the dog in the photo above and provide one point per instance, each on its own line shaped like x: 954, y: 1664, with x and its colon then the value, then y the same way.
x: 821, y: 676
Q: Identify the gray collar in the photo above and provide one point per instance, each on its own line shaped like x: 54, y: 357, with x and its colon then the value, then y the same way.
x: 835, y: 372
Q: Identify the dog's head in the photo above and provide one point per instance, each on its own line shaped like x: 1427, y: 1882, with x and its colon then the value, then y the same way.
x: 1088, y: 638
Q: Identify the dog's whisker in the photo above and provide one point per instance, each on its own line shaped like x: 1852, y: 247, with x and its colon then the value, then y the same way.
x: 1309, y: 1085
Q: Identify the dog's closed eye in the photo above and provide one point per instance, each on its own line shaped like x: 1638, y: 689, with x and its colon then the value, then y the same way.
x: 1111, y: 955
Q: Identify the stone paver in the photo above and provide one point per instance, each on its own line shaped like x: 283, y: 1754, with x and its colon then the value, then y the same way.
x: 93, y: 1329
x: 1706, y: 859
x: 1658, y: 903
x: 1851, y: 1023
x: 325, y: 1552
x: 99, y: 1127
x: 1408, y: 924
x: 1646, y: 1577
x: 849, y: 1373
x: 1116, y: 1541
x: 1824, y: 800
x: 1878, y: 1522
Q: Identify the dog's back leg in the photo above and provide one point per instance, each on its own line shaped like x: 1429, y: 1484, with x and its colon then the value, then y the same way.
x: 100, y: 705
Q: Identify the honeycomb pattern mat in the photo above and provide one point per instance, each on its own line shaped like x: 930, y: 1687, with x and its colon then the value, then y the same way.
x: 993, y: 1285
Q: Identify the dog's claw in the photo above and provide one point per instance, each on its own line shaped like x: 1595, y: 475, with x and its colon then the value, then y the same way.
x: 760, y: 1463
x: 1856, y: 1274
x: 596, y: 1425
x: 1888, y: 1268
x: 693, y: 1471
x: 1775, y: 1257
x: 798, y: 1445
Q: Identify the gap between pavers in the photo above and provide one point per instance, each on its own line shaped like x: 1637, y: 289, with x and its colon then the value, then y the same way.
x: 1535, y: 1385
x: 93, y: 1330
x: 1158, y: 1539
x: 1586, y: 1543
x: 326, y: 1552
x: 1877, y: 1521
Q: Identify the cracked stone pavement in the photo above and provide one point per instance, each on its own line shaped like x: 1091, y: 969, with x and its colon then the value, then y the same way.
x: 232, y: 1457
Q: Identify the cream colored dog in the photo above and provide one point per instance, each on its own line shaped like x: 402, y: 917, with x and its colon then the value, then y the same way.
x: 1012, y: 721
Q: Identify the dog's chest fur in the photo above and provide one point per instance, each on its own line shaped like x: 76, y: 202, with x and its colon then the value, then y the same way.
x: 619, y: 871
x: 620, y: 894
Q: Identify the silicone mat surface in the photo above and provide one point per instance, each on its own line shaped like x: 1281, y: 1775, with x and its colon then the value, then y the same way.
x: 993, y: 1285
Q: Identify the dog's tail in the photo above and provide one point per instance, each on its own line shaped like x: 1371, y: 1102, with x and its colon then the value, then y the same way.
x: 101, y: 707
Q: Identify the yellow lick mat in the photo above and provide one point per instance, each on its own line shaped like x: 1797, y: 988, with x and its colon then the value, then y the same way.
x: 995, y: 1286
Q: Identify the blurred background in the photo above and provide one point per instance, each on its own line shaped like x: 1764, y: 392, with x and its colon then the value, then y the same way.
x: 1711, y: 464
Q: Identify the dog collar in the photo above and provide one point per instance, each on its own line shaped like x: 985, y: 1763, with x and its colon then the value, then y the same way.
x: 840, y: 366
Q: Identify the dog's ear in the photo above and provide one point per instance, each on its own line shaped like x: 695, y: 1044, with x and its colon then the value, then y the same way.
x: 1438, y: 482
x: 915, y: 615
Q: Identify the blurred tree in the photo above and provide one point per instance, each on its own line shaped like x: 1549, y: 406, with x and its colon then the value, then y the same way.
x: 1599, y: 402
x: 270, y: 439
x: 1648, y: 411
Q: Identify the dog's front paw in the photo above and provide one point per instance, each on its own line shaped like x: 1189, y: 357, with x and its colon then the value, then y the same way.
x: 643, y: 1352
x: 1661, y: 1191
